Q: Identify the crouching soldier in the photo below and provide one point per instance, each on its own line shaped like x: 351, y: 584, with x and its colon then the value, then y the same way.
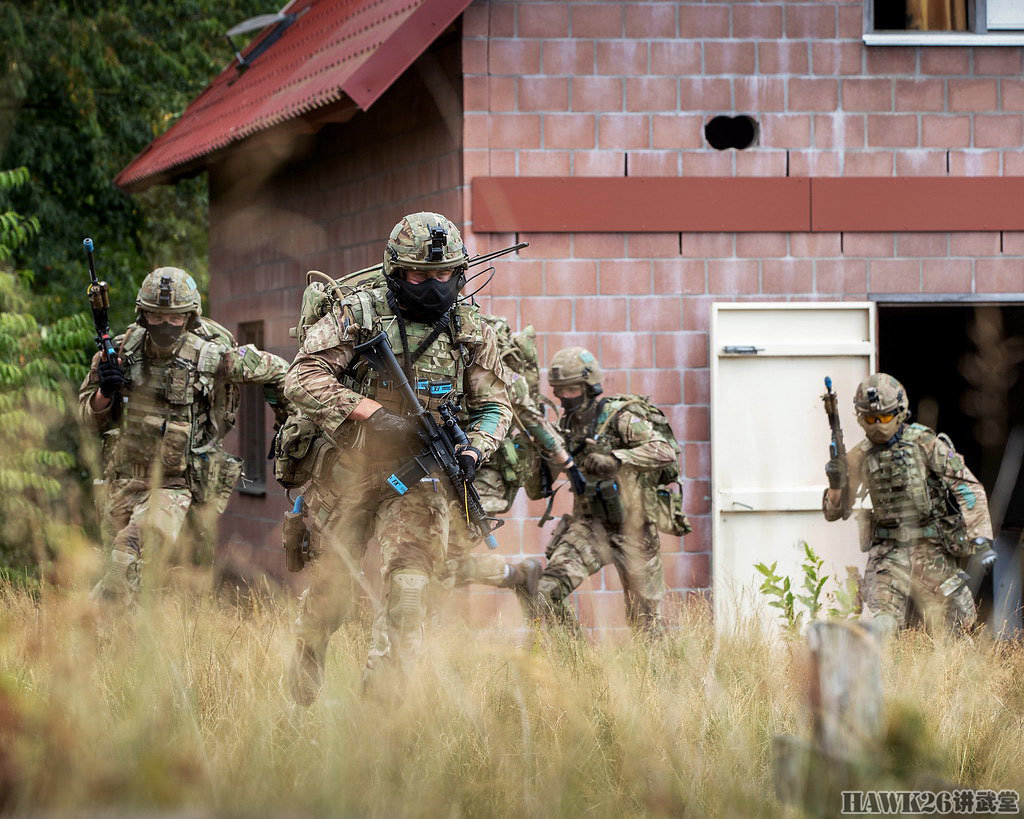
x: 163, y: 408
x: 629, y: 457
x: 533, y: 448
x: 928, y: 511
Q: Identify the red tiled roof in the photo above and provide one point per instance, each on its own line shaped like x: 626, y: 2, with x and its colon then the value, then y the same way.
x: 335, y: 50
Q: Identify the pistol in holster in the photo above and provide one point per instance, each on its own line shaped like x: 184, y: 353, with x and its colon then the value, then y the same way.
x: 295, y: 536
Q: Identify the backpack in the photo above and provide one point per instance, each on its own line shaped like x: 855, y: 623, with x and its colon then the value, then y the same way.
x: 661, y: 490
x: 323, y: 294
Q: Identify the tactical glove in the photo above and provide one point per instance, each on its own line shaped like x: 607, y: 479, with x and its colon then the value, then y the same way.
x: 600, y: 465
x: 111, y: 377
x: 388, y: 423
x: 835, y: 471
x: 985, y: 555
x: 468, y: 464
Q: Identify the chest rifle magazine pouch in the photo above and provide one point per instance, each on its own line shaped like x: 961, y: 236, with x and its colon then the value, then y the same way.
x: 178, y: 384
x: 605, y: 502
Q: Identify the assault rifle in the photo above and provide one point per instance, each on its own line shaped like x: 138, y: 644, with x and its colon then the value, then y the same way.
x: 836, y: 447
x: 99, y: 300
x: 439, y: 455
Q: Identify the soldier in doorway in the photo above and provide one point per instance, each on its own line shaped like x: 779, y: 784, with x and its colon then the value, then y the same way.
x: 163, y: 408
x: 928, y: 511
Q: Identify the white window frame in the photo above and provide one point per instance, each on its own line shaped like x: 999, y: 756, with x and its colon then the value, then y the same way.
x: 979, y: 34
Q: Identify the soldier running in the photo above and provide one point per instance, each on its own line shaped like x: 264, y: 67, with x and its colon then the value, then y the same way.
x: 164, y: 407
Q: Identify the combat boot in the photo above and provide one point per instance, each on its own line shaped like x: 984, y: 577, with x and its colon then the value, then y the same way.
x: 305, y: 673
x: 121, y: 580
x: 524, y: 577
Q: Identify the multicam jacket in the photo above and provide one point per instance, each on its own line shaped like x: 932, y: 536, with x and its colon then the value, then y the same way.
x: 460, y: 365
x: 610, y: 425
x: 178, y: 408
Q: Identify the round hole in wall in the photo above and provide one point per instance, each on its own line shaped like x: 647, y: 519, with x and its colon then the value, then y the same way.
x: 723, y: 132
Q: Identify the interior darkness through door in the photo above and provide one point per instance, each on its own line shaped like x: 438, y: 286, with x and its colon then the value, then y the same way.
x: 963, y: 367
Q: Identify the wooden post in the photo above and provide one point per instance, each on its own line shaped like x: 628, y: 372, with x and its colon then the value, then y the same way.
x: 845, y: 689
x: 847, y: 714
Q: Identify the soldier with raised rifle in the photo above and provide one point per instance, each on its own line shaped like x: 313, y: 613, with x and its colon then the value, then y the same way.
x: 927, y: 509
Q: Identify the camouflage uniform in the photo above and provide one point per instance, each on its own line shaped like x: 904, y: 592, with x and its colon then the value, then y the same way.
x: 500, y: 477
x: 928, y: 510
x: 349, y: 501
x: 164, y: 428
x: 618, y: 531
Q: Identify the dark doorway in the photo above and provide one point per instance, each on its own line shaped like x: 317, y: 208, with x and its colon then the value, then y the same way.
x: 963, y: 368
x: 961, y: 365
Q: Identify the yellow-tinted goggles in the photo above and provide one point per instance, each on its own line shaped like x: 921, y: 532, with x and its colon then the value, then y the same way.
x: 883, y: 418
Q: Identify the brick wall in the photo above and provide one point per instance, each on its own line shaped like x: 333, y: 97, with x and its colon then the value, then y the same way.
x: 292, y: 202
x: 614, y: 88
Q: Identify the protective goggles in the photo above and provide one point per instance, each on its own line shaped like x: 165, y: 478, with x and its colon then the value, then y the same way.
x: 881, y: 418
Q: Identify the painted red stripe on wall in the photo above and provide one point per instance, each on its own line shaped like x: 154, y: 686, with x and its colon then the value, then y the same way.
x: 640, y: 204
x: 731, y: 204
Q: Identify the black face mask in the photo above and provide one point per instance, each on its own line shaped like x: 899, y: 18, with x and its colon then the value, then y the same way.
x: 164, y: 334
x: 428, y: 300
x: 572, y: 404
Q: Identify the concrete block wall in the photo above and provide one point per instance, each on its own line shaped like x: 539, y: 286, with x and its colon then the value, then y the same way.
x: 624, y: 88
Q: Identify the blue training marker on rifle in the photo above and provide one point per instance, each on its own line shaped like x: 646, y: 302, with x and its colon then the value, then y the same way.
x: 399, y: 487
x: 828, y: 383
x: 88, y: 245
x: 297, y: 508
x: 491, y: 542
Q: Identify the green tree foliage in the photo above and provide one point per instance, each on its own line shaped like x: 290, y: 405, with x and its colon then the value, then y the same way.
x: 84, y: 86
x: 39, y: 366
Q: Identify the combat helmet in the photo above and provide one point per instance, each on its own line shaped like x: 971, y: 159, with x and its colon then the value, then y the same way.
x: 881, y: 405
x: 169, y: 290
x: 575, y: 365
x: 424, y: 241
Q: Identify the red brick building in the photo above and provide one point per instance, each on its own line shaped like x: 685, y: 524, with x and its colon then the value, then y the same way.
x: 880, y: 168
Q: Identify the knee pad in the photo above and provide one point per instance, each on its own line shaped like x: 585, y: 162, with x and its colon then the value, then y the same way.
x: 407, y: 604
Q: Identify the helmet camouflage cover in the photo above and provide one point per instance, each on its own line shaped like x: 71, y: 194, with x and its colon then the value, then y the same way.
x: 574, y: 365
x: 169, y: 290
x: 424, y: 241
x: 881, y: 394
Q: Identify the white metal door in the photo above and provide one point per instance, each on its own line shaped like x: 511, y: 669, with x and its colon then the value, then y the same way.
x: 770, y: 436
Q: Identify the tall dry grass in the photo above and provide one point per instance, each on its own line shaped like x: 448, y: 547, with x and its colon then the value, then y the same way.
x: 179, y: 705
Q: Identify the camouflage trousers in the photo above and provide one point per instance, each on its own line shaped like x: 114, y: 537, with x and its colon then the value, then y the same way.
x: 348, y: 505
x: 922, y: 574
x: 144, y: 521
x: 581, y: 546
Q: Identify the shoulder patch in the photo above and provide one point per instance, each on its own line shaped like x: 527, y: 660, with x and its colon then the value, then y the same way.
x: 250, y: 358
x: 323, y: 335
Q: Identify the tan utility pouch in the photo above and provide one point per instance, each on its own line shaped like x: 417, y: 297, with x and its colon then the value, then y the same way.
x: 666, y: 502
x: 174, y: 448
x: 298, y: 450
x: 953, y: 536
